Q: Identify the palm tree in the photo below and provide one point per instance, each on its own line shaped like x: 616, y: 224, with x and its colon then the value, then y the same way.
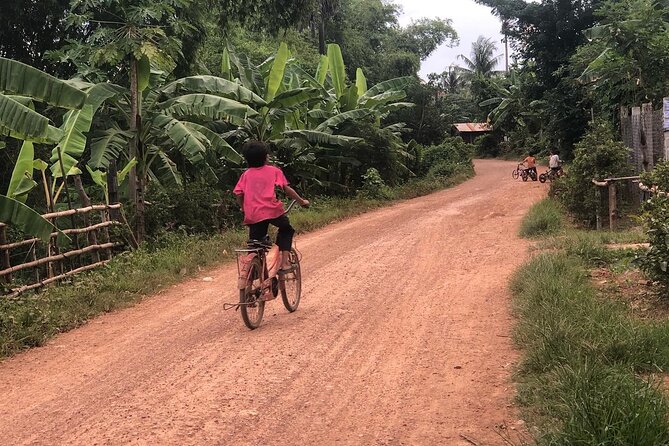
x: 482, y: 60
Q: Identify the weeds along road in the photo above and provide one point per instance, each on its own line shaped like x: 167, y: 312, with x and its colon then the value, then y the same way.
x: 402, y: 338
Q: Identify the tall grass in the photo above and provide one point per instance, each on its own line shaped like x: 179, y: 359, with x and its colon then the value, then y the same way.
x: 33, y: 318
x: 544, y: 218
x: 581, y: 375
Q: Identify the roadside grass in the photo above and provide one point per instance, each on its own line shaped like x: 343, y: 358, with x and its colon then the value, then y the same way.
x: 544, y: 218
x: 586, y: 376
x: 33, y: 318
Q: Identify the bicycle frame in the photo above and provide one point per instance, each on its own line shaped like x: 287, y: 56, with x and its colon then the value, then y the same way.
x: 246, y: 256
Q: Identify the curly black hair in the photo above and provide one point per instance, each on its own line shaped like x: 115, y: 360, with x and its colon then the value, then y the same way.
x: 255, y: 153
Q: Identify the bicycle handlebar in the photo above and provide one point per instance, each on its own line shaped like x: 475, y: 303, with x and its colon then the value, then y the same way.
x: 290, y: 206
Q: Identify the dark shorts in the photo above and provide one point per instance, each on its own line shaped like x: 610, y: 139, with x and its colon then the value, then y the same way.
x: 258, y: 231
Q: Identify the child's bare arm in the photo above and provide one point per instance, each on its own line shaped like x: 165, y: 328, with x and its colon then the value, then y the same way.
x: 290, y: 192
x: 240, y: 200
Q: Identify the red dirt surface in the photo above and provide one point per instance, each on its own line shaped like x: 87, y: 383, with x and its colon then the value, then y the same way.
x: 402, y: 338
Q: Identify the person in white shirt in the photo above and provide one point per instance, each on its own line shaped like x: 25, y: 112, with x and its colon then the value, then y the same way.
x: 554, y: 162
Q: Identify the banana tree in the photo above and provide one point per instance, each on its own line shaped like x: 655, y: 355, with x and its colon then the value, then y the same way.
x: 175, y: 129
x: 305, y: 114
x: 21, y: 87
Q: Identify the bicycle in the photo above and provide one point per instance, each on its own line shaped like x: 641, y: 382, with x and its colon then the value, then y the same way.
x: 551, y: 175
x: 259, y: 281
x: 518, y: 171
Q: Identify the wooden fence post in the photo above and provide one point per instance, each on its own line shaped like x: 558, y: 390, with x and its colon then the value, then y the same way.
x: 4, y: 255
x: 613, y: 206
x: 112, y: 189
x: 647, y: 136
x: 637, y: 129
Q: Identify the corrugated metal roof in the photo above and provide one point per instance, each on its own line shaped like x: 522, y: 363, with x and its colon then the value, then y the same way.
x: 471, y: 127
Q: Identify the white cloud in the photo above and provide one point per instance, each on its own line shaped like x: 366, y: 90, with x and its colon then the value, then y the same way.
x: 470, y: 20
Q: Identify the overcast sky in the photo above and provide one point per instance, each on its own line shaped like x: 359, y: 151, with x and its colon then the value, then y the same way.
x: 470, y: 20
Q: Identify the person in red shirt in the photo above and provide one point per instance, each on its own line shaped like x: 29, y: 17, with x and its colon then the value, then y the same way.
x: 256, y: 194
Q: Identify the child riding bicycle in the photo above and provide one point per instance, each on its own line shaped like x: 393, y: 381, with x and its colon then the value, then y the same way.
x: 256, y: 194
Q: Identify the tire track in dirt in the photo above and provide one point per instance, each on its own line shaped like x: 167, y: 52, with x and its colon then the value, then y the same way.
x: 401, y: 339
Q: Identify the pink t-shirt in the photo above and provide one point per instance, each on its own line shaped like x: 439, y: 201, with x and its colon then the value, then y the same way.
x: 257, y: 185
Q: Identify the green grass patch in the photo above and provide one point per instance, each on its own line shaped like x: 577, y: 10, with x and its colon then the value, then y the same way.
x: 587, y: 368
x: 544, y: 218
x: 33, y: 318
x: 581, y: 378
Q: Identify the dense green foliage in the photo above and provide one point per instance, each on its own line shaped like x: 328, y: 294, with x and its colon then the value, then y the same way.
x: 656, y: 219
x: 597, y: 156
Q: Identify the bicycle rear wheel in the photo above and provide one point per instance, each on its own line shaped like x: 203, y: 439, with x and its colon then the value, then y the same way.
x: 290, y: 284
x: 252, y: 307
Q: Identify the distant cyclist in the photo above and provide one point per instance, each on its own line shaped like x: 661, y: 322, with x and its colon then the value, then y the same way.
x: 256, y: 195
x: 554, y: 162
x: 531, y: 166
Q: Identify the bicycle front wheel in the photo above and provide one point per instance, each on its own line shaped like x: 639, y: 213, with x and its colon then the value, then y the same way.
x: 252, y: 306
x: 290, y: 284
x: 515, y: 174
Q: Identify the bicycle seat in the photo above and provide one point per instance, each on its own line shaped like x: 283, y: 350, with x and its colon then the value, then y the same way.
x: 265, y: 243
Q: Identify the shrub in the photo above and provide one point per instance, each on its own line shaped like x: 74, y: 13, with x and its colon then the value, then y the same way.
x: 597, y: 156
x: 194, y: 209
x: 453, y: 151
x: 488, y: 145
x: 373, y: 186
x: 544, y: 218
x: 656, y: 218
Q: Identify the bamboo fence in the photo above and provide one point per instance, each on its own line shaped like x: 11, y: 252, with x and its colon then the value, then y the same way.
x: 93, y: 245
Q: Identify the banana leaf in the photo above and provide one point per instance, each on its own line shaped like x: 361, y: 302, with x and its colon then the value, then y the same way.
x: 296, y: 97
x: 20, y: 120
x: 186, y: 140
x: 24, y: 80
x: 321, y: 138
x: 109, y: 146
x: 276, y: 73
x: 398, y: 83
x: 143, y: 73
x: 15, y: 213
x: 22, y: 176
x: 322, y: 70
x: 226, y: 67
x: 336, y: 68
x: 217, y: 143
x: 163, y: 169
x: 213, y: 85
x: 351, y: 115
x: 76, y: 123
x: 208, y: 106
x: 360, y: 82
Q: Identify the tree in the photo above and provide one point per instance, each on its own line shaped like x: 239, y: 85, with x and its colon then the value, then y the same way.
x: 548, y: 33
x: 482, y: 60
x: 29, y: 29
x: 371, y: 38
x: 21, y: 86
x: 131, y: 35
x: 622, y: 64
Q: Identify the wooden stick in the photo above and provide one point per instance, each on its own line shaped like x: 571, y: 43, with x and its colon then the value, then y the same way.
x: 95, y: 207
x: 63, y: 256
x: 55, y: 234
x: 469, y: 440
x: 86, y: 201
x: 613, y: 206
x: 4, y: 253
x: 25, y: 288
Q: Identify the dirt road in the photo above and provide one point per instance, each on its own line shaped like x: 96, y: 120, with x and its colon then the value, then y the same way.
x: 402, y: 338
